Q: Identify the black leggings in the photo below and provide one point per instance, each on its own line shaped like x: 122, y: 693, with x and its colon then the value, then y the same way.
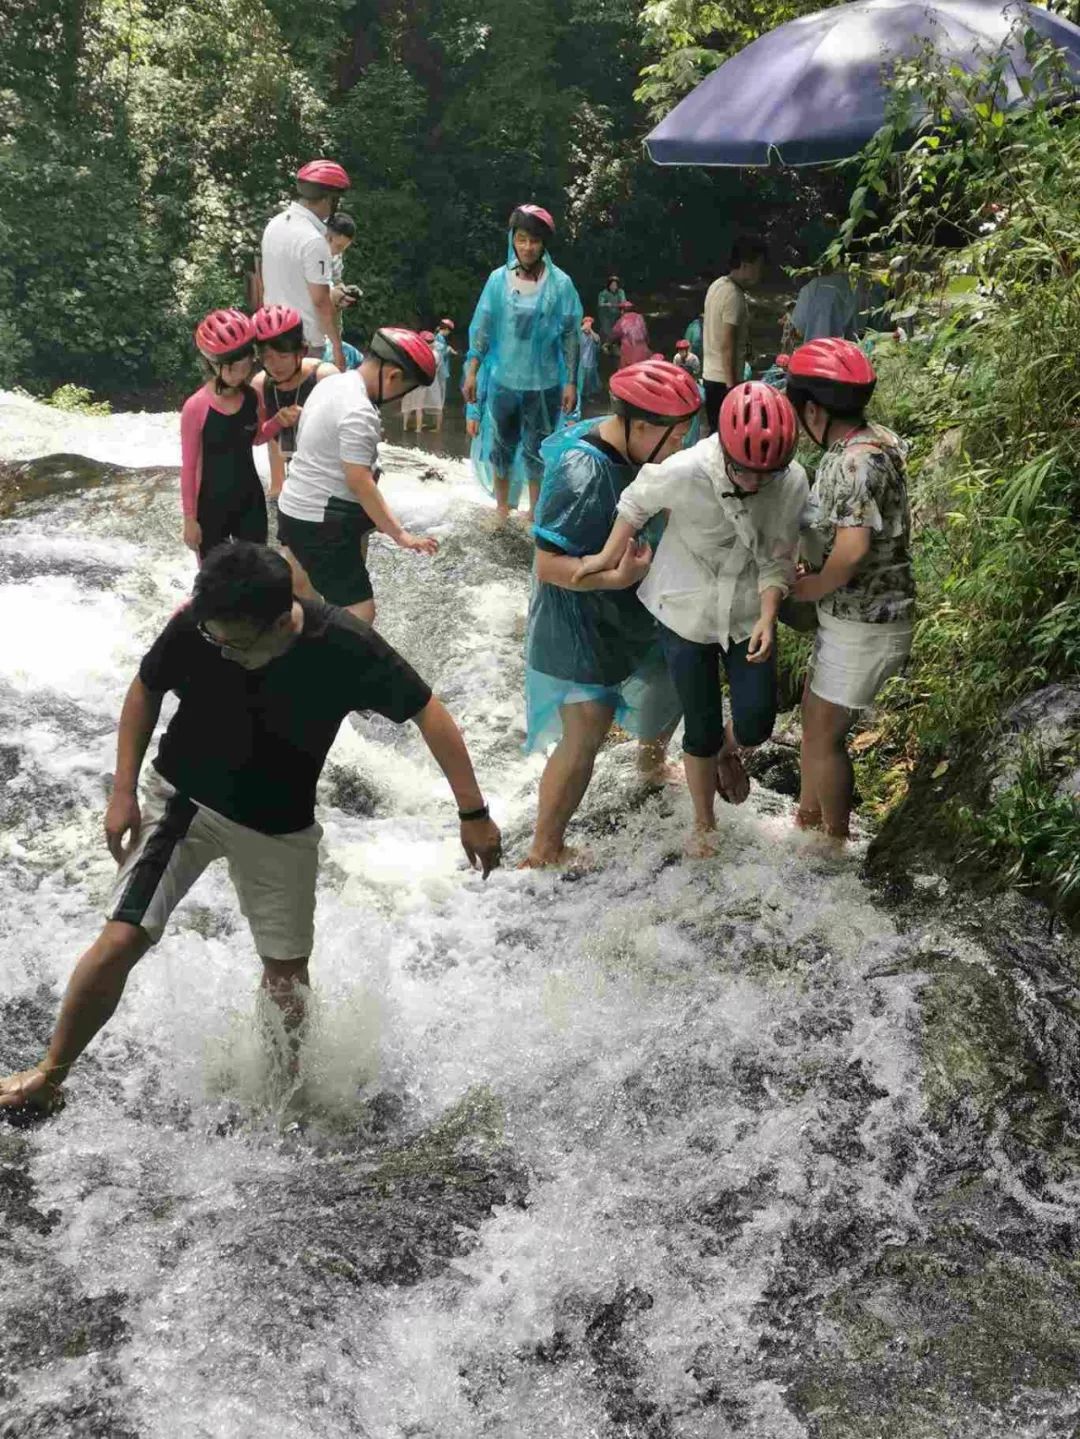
x: 715, y: 390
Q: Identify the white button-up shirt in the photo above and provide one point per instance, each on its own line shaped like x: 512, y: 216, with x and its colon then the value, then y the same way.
x: 719, y: 552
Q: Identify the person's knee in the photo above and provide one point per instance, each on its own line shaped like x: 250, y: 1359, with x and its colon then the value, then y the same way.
x: 754, y: 727
x: 704, y: 742
x: 122, y: 944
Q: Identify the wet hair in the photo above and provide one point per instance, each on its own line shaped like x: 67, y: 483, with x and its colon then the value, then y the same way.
x: 746, y: 249
x: 242, y: 581
x: 342, y: 224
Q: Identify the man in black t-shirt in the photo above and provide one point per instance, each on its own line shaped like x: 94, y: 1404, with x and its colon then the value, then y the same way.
x: 264, y: 682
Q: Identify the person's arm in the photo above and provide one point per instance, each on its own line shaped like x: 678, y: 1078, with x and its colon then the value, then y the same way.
x: 277, y: 469
x: 622, y: 532
x: 728, y: 336
x: 361, y: 482
x: 562, y: 570
x: 480, y: 837
x: 192, y: 420
x: 270, y: 426
x: 137, y: 720
x: 851, y: 547
x: 327, y: 315
x: 571, y: 343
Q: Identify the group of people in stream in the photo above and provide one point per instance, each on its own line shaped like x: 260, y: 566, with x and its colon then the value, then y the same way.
x: 660, y: 559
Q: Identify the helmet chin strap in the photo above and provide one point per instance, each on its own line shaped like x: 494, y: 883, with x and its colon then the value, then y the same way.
x: 661, y: 442
x: 531, y: 272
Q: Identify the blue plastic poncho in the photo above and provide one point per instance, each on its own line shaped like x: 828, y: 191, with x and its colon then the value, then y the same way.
x: 695, y: 336
x: 531, y: 345
x: 480, y: 456
x: 588, y: 382
x: 353, y: 357
x: 599, y: 645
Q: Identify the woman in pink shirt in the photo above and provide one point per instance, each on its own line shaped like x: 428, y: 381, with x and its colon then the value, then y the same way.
x: 220, y: 490
x: 633, y: 336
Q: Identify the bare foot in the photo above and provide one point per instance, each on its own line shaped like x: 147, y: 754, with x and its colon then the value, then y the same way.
x: 807, y: 819
x: 701, y: 843
x: 655, y: 775
x: 573, y: 860
x: 732, y: 781
x: 31, y: 1092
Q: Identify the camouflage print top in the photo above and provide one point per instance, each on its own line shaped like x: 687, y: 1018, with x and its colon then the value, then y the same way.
x: 861, y: 482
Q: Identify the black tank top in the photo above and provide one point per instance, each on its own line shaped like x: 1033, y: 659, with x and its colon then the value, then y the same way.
x: 228, y: 468
x: 275, y: 398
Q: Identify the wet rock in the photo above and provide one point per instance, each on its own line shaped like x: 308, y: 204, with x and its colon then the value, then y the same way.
x: 1047, y: 722
x: 775, y: 766
x: 53, y: 475
x: 350, y: 791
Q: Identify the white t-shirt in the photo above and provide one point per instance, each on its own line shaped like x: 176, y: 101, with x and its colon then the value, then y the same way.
x: 295, y: 254
x: 339, y: 426
x: 725, y: 304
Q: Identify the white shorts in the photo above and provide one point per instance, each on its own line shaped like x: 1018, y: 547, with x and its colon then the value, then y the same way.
x: 273, y: 874
x: 852, y: 659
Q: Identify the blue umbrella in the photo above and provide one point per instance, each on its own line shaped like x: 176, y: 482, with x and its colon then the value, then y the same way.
x: 815, y: 89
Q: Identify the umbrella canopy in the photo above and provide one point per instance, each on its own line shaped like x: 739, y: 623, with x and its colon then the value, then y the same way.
x: 815, y: 89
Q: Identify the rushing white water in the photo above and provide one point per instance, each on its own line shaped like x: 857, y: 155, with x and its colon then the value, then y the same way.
x: 572, y: 1156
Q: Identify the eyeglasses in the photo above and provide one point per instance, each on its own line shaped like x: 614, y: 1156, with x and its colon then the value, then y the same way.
x: 763, y: 477
x: 229, y: 644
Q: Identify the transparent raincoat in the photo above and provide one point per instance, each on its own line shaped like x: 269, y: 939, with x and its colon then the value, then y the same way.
x: 600, y: 645
x: 529, y: 345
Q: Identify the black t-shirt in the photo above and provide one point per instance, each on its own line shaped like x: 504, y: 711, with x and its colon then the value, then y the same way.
x: 251, y: 744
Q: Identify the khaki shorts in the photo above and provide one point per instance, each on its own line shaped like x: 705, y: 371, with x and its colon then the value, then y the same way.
x: 273, y: 874
x: 853, y: 659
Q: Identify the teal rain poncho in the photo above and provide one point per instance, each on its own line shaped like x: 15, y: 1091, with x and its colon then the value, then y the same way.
x: 598, y: 645
x: 530, y: 346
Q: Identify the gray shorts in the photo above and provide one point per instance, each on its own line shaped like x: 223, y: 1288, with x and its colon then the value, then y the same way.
x: 273, y: 874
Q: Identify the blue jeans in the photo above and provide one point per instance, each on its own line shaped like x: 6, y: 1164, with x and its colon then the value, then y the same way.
x: 524, y: 417
x: 695, y: 671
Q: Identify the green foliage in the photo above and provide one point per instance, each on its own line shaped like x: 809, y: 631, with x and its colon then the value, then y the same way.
x: 1031, y: 833
x: 75, y: 400
x: 979, y: 217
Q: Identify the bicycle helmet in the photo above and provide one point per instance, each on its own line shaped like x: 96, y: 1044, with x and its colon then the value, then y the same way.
x: 835, y: 373
x: 657, y: 392
x: 274, y: 323
x: 534, y: 221
x: 324, y: 172
x: 224, y: 336
x: 758, y: 427
x: 407, y: 351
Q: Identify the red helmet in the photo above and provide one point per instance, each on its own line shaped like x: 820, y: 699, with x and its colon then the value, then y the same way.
x: 274, y: 322
x: 626, y: 304
x: 782, y: 361
x: 758, y: 428
x: 534, y: 221
x: 835, y: 373
x: 682, y: 344
x: 655, y: 390
x: 324, y: 172
x: 427, y: 336
x: 225, y: 334
x: 446, y: 324
x: 407, y: 350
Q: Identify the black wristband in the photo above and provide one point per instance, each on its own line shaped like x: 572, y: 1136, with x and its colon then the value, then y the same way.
x: 465, y: 815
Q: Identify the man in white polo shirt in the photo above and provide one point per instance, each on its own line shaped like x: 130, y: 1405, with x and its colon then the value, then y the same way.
x: 330, y: 501
x: 297, y: 266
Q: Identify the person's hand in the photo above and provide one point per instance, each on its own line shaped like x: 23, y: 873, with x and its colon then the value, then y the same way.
x: 482, y: 843
x: 468, y: 387
x: 123, y: 816
x: 421, y: 544
x: 762, y: 639
x: 472, y: 428
x: 288, y: 415
x: 590, y: 565
x: 634, y: 565
x: 569, y: 399
x: 31, y: 1089
x: 192, y: 534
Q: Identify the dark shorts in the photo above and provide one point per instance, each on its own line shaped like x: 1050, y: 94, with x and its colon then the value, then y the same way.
x: 330, y: 551
x: 695, y: 670
x: 715, y: 390
x: 231, y: 517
